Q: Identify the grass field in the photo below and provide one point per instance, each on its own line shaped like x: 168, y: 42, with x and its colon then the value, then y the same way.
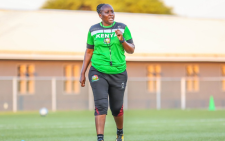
x: 140, y: 125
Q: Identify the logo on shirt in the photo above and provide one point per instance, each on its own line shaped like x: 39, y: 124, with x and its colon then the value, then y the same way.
x: 95, y: 78
x: 106, y: 35
x: 107, y: 40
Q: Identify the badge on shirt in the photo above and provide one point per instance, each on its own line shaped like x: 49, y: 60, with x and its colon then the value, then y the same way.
x: 107, y: 41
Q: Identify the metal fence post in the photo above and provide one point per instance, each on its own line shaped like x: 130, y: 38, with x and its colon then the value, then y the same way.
x: 183, y: 93
x: 90, y: 97
x: 126, y: 97
x: 53, y: 94
x: 14, y: 94
x: 158, y: 93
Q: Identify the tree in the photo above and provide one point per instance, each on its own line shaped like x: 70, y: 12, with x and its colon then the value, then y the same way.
x: 131, y: 6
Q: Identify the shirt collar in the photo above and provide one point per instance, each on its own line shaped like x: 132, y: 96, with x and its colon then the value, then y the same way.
x: 107, y: 26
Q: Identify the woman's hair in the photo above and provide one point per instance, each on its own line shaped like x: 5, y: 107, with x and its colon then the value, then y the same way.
x: 99, y: 7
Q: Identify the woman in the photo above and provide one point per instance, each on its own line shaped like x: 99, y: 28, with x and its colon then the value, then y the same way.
x: 106, y: 43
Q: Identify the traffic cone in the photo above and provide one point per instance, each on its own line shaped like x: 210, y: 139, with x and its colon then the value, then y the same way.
x: 211, y: 104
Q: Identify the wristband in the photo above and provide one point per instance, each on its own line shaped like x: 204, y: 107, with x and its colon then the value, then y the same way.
x: 122, y: 40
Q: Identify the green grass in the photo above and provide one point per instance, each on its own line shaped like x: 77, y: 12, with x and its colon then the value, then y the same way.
x: 140, y: 125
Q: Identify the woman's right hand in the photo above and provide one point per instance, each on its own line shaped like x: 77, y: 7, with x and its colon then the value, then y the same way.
x: 87, y: 59
x: 82, y: 80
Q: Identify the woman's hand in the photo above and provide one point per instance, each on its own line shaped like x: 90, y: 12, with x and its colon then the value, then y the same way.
x: 87, y: 59
x: 128, y: 47
x: 119, y: 34
x: 82, y: 80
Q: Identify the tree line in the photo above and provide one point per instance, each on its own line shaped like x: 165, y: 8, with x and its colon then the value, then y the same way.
x: 130, y: 6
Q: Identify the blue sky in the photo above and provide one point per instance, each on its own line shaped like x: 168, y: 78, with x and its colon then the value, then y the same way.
x: 187, y: 8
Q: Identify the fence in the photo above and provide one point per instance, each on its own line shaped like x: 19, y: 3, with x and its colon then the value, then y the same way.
x: 141, y: 93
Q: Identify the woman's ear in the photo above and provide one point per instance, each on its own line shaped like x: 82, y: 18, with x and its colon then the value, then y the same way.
x: 100, y: 15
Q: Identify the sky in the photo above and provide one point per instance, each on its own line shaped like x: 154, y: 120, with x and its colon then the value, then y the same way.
x: 187, y: 8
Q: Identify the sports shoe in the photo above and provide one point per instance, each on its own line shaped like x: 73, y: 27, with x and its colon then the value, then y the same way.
x: 100, y: 140
x: 120, y: 138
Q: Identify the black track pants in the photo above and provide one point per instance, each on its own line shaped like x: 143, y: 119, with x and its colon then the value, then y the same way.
x: 104, y: 85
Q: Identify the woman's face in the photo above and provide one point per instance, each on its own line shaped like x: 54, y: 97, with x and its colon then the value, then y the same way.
x: 107, y: 14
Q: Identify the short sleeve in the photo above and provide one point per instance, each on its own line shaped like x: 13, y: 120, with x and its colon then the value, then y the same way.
x: 127, y: 35
x: 90, y: 41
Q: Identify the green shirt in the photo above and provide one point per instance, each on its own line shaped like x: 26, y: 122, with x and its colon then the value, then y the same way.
x: 103, y: 39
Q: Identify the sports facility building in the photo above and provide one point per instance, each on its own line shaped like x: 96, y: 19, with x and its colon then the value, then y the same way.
x: 178, y: 62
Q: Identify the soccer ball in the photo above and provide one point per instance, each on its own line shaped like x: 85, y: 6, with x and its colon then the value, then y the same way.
x: 43, y: 111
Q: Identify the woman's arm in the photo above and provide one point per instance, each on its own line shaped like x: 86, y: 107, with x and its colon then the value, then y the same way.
x: 128, y: 47
x: 86, y: 62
